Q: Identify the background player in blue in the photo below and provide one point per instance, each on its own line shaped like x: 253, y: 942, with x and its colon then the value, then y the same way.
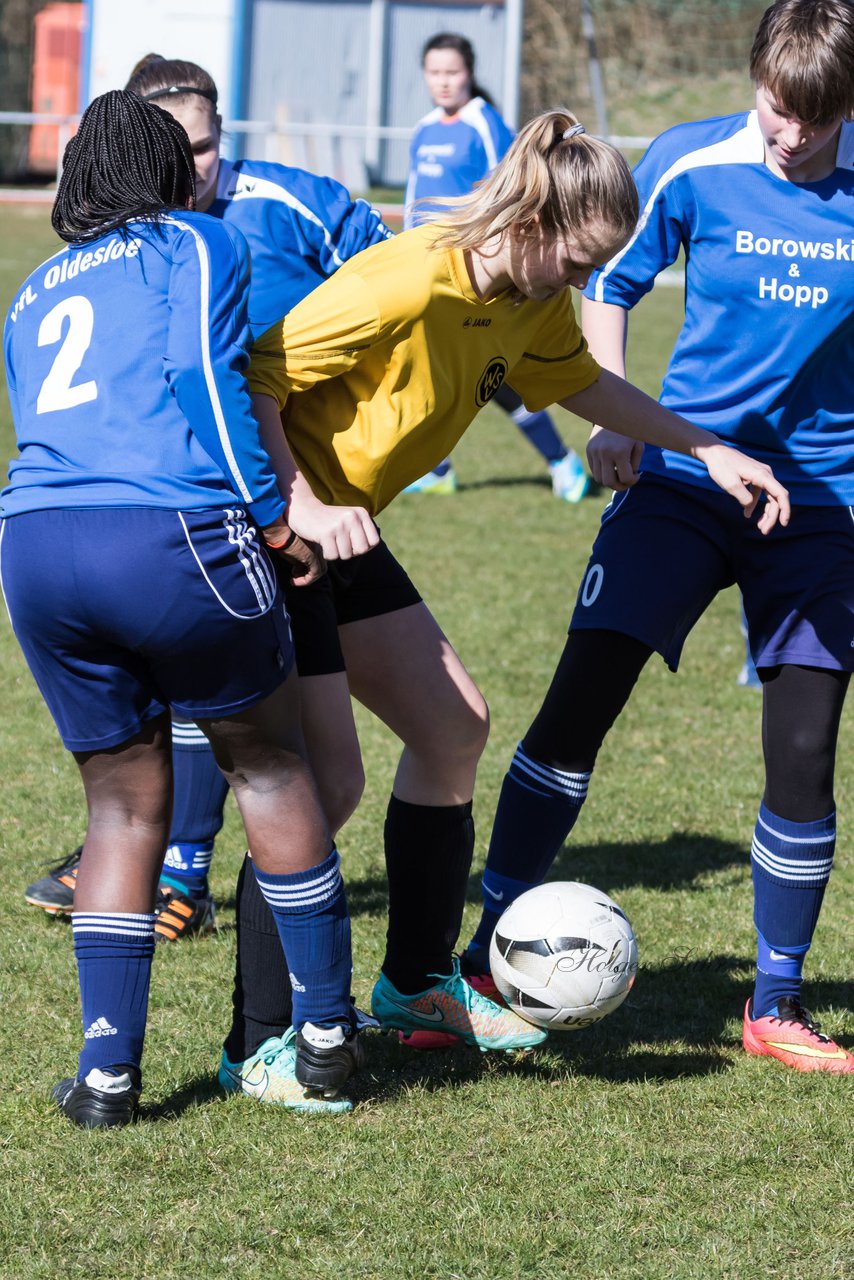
x: 453, y: 147
x: 133, y: 571
x: 763, y: 204
x: 300, y: 228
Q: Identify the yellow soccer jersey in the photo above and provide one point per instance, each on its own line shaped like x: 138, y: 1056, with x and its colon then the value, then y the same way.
x: 383, y: 366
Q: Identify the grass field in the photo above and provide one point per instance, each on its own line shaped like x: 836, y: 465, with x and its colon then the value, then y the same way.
x: 648, y: 1147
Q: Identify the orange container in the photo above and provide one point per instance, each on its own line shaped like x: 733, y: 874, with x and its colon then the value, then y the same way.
x: 56, y: 77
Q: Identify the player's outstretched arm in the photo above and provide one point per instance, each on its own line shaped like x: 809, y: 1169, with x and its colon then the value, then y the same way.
x: 614, y: 460
x: 339, y: 532
x: 618, y: 406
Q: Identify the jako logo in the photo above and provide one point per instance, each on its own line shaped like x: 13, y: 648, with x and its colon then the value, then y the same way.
x: 490, y: 380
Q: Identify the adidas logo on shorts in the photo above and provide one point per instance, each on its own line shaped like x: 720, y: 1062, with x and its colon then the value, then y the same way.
x: 100, y: 1027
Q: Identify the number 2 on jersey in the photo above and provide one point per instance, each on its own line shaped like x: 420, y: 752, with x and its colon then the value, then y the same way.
x: 56, y: 390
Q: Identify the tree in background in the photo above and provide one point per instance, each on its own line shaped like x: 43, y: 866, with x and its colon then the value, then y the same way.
x: 662, y: 60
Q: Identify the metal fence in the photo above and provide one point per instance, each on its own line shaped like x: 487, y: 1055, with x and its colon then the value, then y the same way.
x: 335, y: 150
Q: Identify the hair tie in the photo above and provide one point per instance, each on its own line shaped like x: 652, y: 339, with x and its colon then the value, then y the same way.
x: 572, y: 131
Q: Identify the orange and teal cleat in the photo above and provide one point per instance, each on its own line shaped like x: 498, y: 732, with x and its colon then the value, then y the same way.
x: 424, y: 1040
x: 794, y: 1039
x: 453, y: 1008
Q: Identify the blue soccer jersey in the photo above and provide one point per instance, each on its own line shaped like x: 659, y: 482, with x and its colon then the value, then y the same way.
x: 448, y: 156
x: 765, y: 357
x: 300, y: 229
x: 125, y: 359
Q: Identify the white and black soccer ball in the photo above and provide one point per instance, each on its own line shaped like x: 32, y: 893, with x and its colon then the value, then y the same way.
x: 563, y: 955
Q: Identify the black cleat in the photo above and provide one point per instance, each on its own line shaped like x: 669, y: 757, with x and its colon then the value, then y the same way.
x: 327, y: 1057
x: 105, y: 1099
x: 54, y: 893
x: 178, y: 916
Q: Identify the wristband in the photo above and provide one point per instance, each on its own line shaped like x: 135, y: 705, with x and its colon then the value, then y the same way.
x: 282, y: 546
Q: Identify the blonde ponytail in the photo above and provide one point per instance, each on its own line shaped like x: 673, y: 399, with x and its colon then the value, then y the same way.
x: 554, y: 173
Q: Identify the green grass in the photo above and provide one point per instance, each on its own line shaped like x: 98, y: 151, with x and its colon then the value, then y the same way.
x: 648, y: 1147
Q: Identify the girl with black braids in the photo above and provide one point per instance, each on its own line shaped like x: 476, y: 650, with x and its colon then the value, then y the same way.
x: 134, y: 567
x: 299, y: 227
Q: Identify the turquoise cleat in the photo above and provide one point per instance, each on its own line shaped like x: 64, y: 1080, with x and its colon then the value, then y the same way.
x: 452, y: 1007
x: 270, y: 1076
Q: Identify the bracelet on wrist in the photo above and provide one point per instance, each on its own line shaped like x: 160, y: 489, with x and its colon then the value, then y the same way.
x: 285, y: 543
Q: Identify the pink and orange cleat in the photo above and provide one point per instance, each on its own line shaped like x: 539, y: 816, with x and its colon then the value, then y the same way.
x: 794, y: 1039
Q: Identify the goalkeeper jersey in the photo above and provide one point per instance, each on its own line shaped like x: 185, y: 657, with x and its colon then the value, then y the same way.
x: 765, y: 357
x: 381, y: 369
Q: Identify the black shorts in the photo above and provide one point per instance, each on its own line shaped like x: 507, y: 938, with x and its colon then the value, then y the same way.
x: 364, y: 587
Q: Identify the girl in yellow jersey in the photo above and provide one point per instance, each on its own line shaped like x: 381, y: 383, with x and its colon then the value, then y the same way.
x: 374, y: 377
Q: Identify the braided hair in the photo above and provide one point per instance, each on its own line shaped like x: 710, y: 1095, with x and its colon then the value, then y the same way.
x: 128, y: 160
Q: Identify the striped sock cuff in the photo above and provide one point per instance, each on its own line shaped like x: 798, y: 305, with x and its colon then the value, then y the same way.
x: 188, y: 736
x: 798, y: 853
x: 117, y: 925
x: 303, y: 890
x: 547, y: 780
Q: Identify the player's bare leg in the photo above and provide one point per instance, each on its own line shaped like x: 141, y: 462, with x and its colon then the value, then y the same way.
x: 402, y: 667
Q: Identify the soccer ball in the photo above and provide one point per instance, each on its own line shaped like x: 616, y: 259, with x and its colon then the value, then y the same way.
x: 563, y: 955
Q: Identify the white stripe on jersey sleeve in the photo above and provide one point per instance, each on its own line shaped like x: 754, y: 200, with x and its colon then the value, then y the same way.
x: 743, y: 147
x: 207, y: 366
x: 249, y: 187
x: 473, y: 115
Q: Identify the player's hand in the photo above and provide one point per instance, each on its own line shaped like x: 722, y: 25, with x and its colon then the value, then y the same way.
x: 746, y: 480
x: 305, y: 561
x: 339, y: 532
x: 614, y: 460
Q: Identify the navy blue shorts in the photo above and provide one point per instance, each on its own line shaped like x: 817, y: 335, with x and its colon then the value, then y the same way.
x: 353, y: 590
x: 664, y: 550
x: 122, y: 612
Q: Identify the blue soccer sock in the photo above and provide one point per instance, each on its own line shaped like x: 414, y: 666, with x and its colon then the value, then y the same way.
x: 185, y: 867
x: 791, y: 863
x: 199, y: 796
x: 114, y: 952
x: 537, y: 810
x: 310, y: 910
x: 541, y: 432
